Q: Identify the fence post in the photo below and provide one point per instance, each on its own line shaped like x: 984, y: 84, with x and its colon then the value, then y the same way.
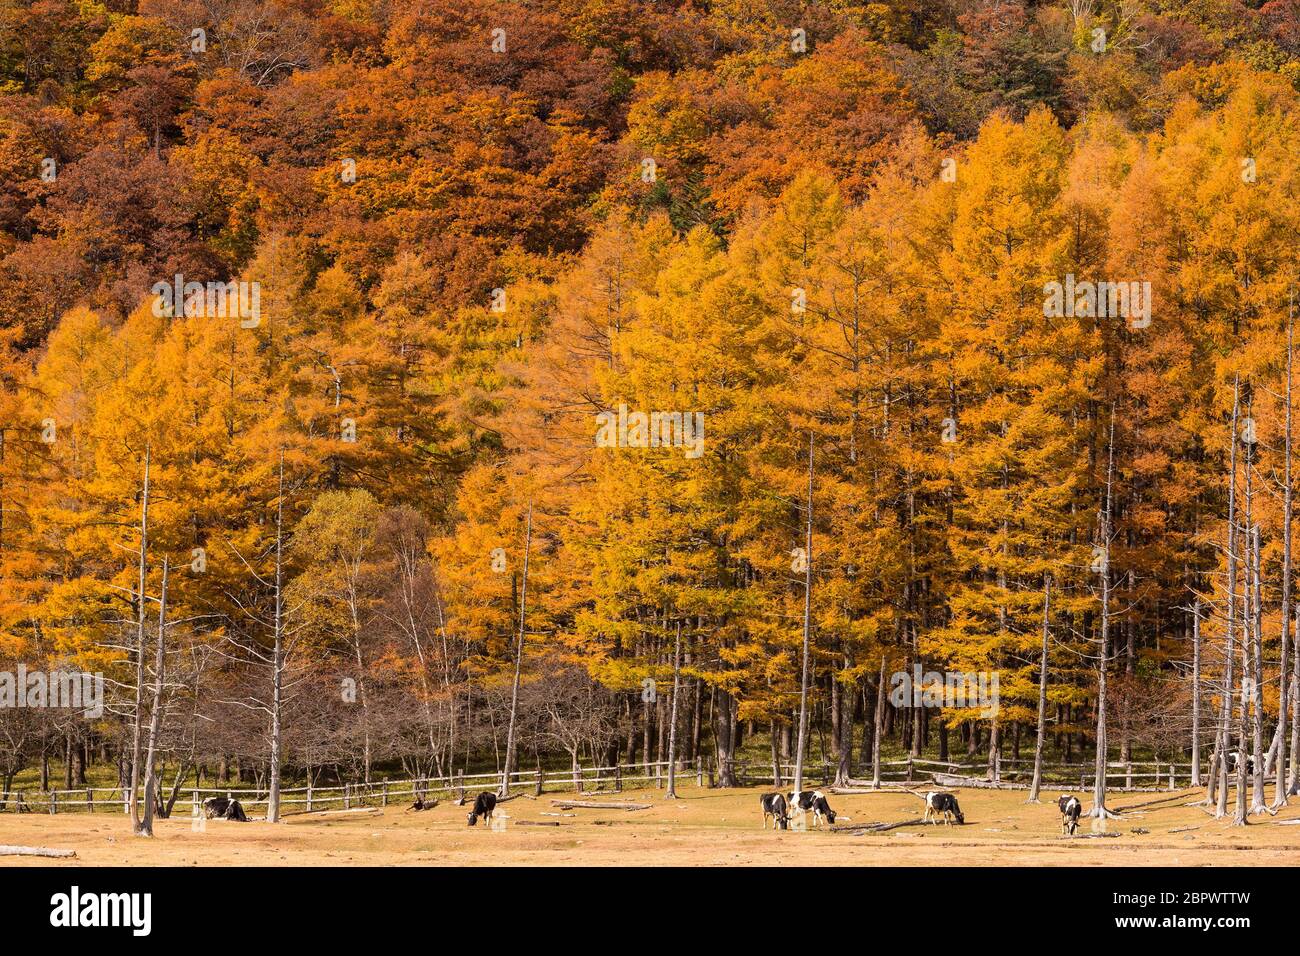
x: 309, y: 794
x: 909, y: 768
x: 1171, y: 778
x: 54, y: 802
x: 460, y: 785
x: 699, y: 773
x: 90, y: 800
x: 538, y: 789
x: 385, y: 796
x: 347, y: 797
x: 1128, y: 774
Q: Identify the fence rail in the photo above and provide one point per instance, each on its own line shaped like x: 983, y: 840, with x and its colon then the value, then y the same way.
x: 347, y: 796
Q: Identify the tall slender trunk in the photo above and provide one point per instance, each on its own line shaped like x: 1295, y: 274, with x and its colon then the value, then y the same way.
x: 801, y: 743
x: 511, y: 743
x: 1099, y: 780
x: 141, y: 613
x: 1257, y: 685
x: 1042, y: 693
x: 1283, y: 692
x: 875, y: 730
x: 1225, y: 702
x: 672, y: 716
x: 277, y: 658
x: 145, y: 827
x: 1196, y: 693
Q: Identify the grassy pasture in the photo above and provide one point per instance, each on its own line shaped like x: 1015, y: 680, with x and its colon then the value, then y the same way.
x: 705, y: 827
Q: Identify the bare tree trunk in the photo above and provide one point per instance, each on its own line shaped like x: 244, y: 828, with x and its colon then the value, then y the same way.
x: 141, y: 612
x: 1099, y: 781
x: 1196, y: 693
x: 277, y: 658
x: 875, y: 731
x: 801, y: 743
x: 1247, y: 621
x: 145, y: 828
x: 1257, y: 686
x: 1042, y: 693
x: 1283, y: 695
x: 1225, y: 705
x: 672, y: 717
x: 511, y: 743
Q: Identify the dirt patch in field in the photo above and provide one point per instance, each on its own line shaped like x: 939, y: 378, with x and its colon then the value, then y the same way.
x: 705, y: 827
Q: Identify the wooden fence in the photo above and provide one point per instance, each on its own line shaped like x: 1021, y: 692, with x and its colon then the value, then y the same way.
x: 1135, y: 775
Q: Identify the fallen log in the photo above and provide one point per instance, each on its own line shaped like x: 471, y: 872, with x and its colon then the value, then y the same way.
x: 1088, y: 836
x: 537, y: 823
x: 976, y: 783
x: 35, y: 851
x: 1149, y: 803
x: 877, y: 827
x: 1185, y: 829
x: 598, y: 805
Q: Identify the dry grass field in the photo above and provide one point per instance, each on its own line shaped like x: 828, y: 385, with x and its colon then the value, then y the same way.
x: 705, y: 827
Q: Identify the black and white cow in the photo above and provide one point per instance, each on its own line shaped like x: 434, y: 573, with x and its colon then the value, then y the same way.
x: 774, y: 806
x: 815, y: 801
x: 1234, y: 758
x: 225, y: 808
x: 938, y: 803
x: 1070, y: 809
x: 484, y: 804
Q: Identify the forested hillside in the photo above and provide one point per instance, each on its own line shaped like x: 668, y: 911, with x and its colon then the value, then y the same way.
x: 391, y: 499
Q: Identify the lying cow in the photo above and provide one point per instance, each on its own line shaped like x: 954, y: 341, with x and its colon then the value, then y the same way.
x: 224, y: 808
x: 815, y: 801
x: 484, y: 804
x: 774, y: 806
x: 1070, y: 808
x: 937, y: 803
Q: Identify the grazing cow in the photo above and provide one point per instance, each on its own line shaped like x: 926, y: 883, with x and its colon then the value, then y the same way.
x: 937, y: 803
x: 1234, y: 757
x: 815, y: 801
x: 484, y: 804
x: 1070, y: 809
x: 774, y: 806
x: 224, y: 808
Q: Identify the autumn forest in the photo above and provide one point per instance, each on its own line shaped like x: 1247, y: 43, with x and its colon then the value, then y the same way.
x: 405, y: 386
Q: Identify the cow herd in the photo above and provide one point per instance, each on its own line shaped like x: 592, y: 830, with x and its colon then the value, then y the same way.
x: 780, y: 808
